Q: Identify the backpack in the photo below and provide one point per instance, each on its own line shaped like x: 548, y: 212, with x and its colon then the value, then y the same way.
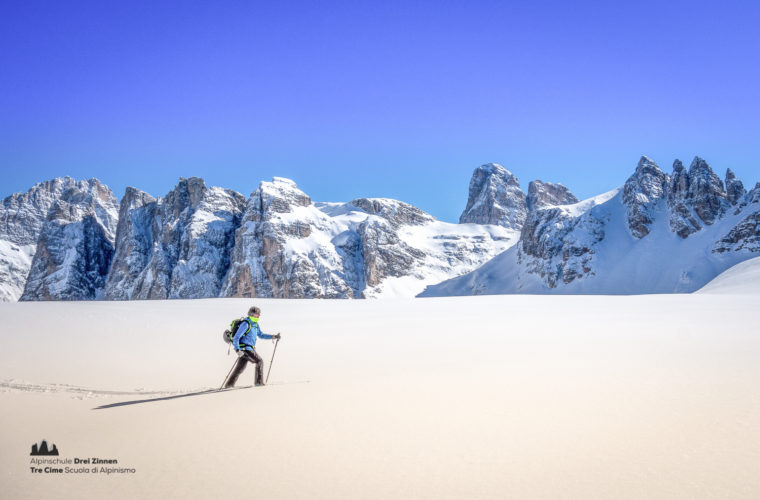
x: 229, y: 334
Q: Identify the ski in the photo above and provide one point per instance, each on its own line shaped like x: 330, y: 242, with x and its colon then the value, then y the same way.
x: 232, y: 388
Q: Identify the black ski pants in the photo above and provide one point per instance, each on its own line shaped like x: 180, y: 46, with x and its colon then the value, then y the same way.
x: 242, y: 362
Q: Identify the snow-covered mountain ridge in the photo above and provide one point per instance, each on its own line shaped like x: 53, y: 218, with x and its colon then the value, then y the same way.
x: 658, y: 233
x: 68, y: 240
x: 664, y: 233
x: 288, y: 246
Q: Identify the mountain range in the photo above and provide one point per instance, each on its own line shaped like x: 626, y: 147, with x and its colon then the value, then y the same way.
x: 73, y: 240
x: 658, y: 233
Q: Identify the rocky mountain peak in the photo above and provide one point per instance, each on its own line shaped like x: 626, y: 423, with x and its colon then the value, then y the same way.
x: 581, y: 249
x: 702, y: 179
x: 22, y: 218
x: 187, y: 194
x: 76, y: 243
x: 699, y: 165
x: 641, y: 192
x: 753, y: 196
x: 134, y: 197
x: 495, y: 197
x: 396, y: 212
x: 706, y: 193
x: 679, y: 183
x: 734, y: 188
x: 279, y: 196
x: 22, y: 215
x: 649, y: 177
x: 544, y: 194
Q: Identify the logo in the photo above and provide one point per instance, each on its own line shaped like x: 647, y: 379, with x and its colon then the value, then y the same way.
x: 45, y: 460
x: 43, y: 450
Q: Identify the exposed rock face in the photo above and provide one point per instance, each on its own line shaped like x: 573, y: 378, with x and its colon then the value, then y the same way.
x: 395, y: 212
x: 385, y: 254
x: 175, y: 247
x: 683, y: 221
x: 260, y: 266
x: 134, y: 243
x: 734, y: 188
x: 545, y: 194
x: 559, y: 246
x: 495, y: 198
x: 744, y: 236
x: 76, y: 243
x: 641, y: 194
x: 706, y: 194
x: 22, y: 216
x: 696, y: 198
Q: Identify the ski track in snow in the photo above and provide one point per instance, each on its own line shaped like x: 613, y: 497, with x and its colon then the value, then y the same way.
x: 78, y: 392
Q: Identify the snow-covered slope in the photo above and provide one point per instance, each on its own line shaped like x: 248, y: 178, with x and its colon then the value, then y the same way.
x: 647, y: 237
x: 15, y: 263
x: 288, y: 246
x: 743, y: 278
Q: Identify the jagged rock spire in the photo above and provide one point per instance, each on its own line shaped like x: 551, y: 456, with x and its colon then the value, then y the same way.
x: 495, y: 197
x: 706, y: 193
x: 734, y: 188
x: 641, y: 192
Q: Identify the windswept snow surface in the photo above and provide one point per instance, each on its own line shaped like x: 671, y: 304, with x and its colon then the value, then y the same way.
x: 743, y: 278
x: 511, y: 396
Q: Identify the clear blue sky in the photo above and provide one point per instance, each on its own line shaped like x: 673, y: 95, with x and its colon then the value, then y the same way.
x: 391, y: 99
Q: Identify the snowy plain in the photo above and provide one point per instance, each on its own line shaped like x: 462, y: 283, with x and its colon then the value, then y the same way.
x: 511, y: 396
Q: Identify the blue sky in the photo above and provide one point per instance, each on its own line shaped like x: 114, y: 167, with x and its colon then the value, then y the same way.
x: 386, y: 99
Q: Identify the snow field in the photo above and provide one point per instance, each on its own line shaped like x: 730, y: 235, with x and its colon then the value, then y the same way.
x: 476, y: 397
x: 743, y: 278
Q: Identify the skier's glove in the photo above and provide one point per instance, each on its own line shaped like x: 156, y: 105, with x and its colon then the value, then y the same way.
x: 278, y: 336
x: 240, y: 353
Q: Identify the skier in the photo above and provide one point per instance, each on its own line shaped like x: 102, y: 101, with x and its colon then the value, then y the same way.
x: 244, y: 343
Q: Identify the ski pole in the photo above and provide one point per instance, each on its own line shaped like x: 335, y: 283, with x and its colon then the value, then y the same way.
x: 270, y: 363
x: 228, y: 375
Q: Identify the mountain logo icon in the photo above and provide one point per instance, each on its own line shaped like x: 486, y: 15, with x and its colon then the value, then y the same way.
x: 43, y: 450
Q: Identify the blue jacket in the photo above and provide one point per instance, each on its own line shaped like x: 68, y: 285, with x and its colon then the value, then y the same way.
x: 246, y: 334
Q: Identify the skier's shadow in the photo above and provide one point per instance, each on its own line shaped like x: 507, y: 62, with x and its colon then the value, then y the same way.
x: 165, y: 398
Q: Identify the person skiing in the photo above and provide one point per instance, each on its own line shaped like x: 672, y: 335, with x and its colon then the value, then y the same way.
x: 244, y: 343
